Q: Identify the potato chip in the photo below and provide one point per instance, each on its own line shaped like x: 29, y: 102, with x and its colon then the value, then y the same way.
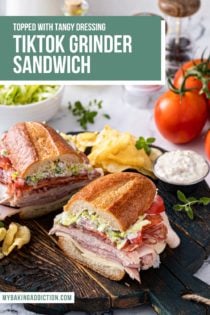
x: 16, y: 236
x: 3, y: 232
x: 9, y: 238
x: 86, y: 139
x: 155, y: 153
x: 115, y: 151
x: 82, y: 140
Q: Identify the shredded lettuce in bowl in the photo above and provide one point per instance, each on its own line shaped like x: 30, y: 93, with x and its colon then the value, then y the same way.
x: 25, y: 94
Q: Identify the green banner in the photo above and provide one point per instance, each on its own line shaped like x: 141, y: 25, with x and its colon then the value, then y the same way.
x: 81, y: 48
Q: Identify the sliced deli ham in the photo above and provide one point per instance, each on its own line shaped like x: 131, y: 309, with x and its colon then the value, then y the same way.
x: 140, y: 259
x: 7, y: 212
x: 38, y: 197
x: 42, y: 195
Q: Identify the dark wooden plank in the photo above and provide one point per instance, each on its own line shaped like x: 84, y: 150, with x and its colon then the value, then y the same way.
x: 199, y: 229
x: 189, y: 254
x: 191, y: 283
x: 41, y: 266
x: 124, y: 294
x: 166, y: 291
x: 8, y: 288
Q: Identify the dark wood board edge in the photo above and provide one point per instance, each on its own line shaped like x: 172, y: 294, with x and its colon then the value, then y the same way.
x: 62, y: 309
x: 199, y: 232
x: 123, y: 294
x: 166, y: 291
x: 192, y: 284
x: 25, y: 270
x: 5, y: 287
x: 190, y: 259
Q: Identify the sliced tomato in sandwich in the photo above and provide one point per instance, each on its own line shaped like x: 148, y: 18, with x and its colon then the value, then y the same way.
x: 157, y: 206
x: 137, y: 240
x: 5, y: 163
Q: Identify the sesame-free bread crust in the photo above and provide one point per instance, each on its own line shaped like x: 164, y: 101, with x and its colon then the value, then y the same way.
x: 105, y: 267
x: 118, y: 198
x: 31, y: 143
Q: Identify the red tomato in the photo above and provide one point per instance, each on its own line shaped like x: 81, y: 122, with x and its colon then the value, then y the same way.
x: 191, y: 82
x: 180, y: 118
x: 157, y: 206
x: 207, y: 145
x: 137, y: 240
x: 5, y: 162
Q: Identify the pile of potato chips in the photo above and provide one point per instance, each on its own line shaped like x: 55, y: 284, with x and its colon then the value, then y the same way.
x: 15, y: 236
x: 114, y: 151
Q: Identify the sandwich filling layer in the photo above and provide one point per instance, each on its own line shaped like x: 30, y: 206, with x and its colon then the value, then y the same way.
x: 135, y: 249
x: 88, y: 242
x: 17, y: 191
x: 92, y: 221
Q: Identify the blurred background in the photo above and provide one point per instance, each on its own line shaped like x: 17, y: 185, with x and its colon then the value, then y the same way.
x: 189, y: 24
x: 97, y: 7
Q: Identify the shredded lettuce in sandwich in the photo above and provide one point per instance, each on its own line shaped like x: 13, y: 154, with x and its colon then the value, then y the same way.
x: 25, y: 94
x: 3, y: 152
x: 95, y: 222
x: 58, y: 169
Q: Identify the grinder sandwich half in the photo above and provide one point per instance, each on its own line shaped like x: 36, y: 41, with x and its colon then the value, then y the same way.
x: 115, y: 225
x: 39, y: 170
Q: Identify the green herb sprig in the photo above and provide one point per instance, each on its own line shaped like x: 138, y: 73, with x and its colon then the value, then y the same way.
x: 1, y: 224
x: 145, y: 143
x: 87, y: 114
x: 187, y: 203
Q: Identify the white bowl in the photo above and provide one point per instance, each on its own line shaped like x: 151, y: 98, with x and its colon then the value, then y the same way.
x: 39, y: 111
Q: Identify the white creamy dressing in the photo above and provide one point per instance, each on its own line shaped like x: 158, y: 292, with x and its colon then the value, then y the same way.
x: 173, y: 239
x: 181, y: 167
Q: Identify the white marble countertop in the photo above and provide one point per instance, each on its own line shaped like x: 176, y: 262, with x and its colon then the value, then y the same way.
x: 124, y: 116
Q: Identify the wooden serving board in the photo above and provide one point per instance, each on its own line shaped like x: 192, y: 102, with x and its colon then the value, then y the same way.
x: 41, y: 266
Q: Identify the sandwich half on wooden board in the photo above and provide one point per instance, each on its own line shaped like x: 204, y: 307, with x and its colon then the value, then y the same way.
x: 39, y: 170
x: 115, y: 225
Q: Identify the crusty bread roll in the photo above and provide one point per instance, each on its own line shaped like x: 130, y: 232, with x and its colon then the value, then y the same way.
x: 32, y: 146
x: 118, y: 198
x: 105, y: 267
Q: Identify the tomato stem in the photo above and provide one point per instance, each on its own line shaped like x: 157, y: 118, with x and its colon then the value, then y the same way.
x: 200, y: 71
x: 180, y: 91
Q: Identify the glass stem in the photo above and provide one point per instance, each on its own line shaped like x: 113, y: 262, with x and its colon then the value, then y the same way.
x: 178, y: 31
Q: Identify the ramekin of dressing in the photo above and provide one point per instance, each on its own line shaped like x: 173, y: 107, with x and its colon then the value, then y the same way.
x: 181, y: 168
